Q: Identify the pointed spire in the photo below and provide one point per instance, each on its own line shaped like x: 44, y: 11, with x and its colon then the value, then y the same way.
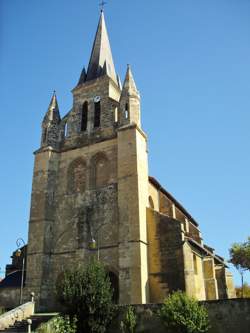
x: 82, y: 78
x: 53, y: 113
x: 101, y: 54
x: 129, y: 86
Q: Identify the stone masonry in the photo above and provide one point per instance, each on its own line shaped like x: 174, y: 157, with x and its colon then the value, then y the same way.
x: 91, y: 186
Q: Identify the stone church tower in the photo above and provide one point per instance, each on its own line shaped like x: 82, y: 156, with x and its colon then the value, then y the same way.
x: 91, y: 187
x: 90, y: 183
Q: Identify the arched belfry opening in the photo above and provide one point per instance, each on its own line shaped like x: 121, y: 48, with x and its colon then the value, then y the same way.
x: 84, y: 117
x: 97, y: 115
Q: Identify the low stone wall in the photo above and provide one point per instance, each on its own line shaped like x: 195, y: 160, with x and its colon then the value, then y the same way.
x: 229, y: 316
x: 18, y: 314
x: 9, y: 297
x: 226, y: 316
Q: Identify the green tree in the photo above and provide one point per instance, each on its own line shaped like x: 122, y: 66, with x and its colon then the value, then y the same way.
x: 240, y: 258
x: 85, y: 292
x: 128, y: 323
x: 246, y: 291
x: 183, y: 314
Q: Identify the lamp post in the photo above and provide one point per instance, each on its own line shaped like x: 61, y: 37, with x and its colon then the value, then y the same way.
x: 21, y: 243
x: 93, y: 244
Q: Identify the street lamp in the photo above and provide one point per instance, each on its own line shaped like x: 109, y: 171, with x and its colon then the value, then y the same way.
x: 21, y: 243
x: 93, y: 244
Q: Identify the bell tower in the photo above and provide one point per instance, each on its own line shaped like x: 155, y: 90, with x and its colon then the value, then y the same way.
x: 90, y: 182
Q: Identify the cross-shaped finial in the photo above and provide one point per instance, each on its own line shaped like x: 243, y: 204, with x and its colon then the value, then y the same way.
x: 102, y: 4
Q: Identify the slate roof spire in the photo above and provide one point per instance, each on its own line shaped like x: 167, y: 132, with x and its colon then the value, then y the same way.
x: 129, y: 86
x: 101, y: 60
x: 53, y: 114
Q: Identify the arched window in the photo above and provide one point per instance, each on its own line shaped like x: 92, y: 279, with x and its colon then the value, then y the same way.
x: 84, y: 117
x: 126, y: 111
x: 100, y: 170
x: 65, y: 130
x: 97, y: 116
x: 116, y: 115
x: 195, y: 264
x: 77, y: 176
x: 114, y: 285
x: 151, y: 202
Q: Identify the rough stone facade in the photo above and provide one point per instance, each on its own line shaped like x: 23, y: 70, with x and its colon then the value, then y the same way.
x: 91, y: 185
x: 225, y: 316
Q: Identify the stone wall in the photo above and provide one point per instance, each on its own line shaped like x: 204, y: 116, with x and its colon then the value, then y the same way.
x: 9, y: 297
x: 226, y: 316
x: 165, y: 255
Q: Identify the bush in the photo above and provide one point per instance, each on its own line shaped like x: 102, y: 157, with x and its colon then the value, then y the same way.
x: 64, y: 325
x: 59, y: 324
x: 129, y: 321
x: 2, y: 310
x: 86, y: 293
x: 183, y: 314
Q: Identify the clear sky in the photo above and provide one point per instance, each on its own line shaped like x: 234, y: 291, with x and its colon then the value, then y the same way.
x: 191, y: 63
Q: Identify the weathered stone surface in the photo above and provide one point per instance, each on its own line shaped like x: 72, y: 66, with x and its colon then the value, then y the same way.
x: 90, y: 183
x: 225, y: 316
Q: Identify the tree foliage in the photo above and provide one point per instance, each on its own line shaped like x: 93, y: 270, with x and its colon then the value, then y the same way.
x: 183, y: 314
x: 128, y: 323
x: 240, y: 255
x: 245, y: 293
x: 85, y: 292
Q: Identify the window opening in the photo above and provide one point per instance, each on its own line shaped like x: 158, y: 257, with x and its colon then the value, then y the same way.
x: 151, y: 202
x: 66, y: 130
x: 116, y: 115
x: 195, y: 264
x: 84, y: 117
x: 97, y: 118
x: 126, y: 111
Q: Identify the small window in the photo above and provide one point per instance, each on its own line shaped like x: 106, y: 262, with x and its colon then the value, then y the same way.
x: 151, y: 202
x: 84, y: 117
x: 195, y: 264
x: 97, y: 118
x: 116, y: 115
x: 65, y: 130
x: 126, y: 111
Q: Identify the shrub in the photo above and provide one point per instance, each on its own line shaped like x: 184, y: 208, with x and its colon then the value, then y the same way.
x: 183, y: 314
x: 86, y: 293
x: 129, y: 321
x: 59, y: 324
x: 2, y: 311
x: 64, y: 324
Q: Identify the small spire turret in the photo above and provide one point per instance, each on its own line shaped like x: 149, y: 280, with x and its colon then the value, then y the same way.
x: 129, y: 101
x: 51, y: 124
x: 82, y: 78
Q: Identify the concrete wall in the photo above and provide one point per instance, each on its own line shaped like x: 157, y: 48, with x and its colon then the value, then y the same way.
x: 226, y: 316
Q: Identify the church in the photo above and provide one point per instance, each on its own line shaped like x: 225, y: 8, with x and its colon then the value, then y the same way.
x: 92, y: 195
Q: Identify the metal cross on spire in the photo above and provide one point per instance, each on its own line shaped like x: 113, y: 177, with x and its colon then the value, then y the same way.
x: 102, y: 4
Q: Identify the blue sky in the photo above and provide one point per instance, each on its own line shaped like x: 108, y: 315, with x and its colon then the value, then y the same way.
x: 190, y: 60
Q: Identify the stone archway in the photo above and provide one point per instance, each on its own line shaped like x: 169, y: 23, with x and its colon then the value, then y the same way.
x: 114, y: 280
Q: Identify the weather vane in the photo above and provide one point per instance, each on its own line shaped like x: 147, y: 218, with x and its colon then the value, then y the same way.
x: 102, y: 4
